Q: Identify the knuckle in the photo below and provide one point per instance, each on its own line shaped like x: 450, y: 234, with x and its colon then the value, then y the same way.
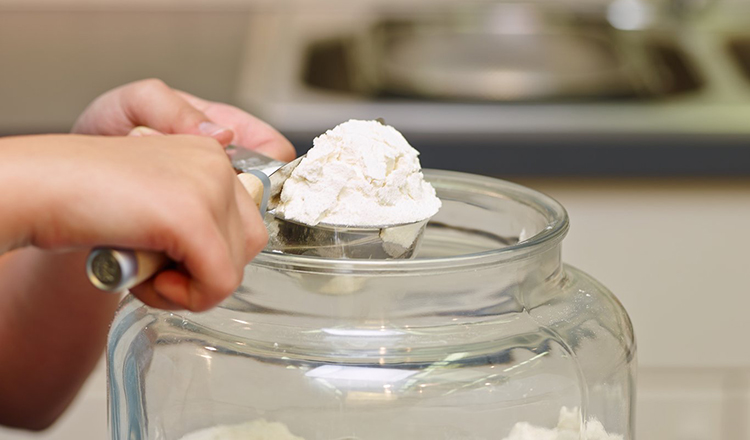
x: 200, y: 303
x: 218, y: 195
x: 226, y: 286
x: 145, y: 91
x: 209, y: 150
x: 216, y: 156
x: 167, y: 238
x: 237, y: 281
x: 151, y: 84
x: 210, y: 294
x: 207, y: 168
x: 187, y: 205
x: 187, y: 115
x: 224, y: 177
x: 288, y: 151
x: 257, y: 239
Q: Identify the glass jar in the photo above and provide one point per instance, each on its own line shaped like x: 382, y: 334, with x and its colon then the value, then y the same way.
x: 486, y: 334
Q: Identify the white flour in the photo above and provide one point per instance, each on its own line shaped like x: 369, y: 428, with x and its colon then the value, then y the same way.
x: 568, y: 428
x: 360, y: 173
x: 255, y: 430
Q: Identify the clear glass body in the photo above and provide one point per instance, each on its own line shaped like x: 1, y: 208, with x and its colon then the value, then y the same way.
x: 484, y: 329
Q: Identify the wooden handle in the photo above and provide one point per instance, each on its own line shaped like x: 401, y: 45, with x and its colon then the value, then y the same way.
x: 116, y: 270
x: 148, y: 264
x: 254, y: 187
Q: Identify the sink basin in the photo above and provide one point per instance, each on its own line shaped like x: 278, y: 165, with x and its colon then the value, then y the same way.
x: 739, y: 49
x: 468, y: 57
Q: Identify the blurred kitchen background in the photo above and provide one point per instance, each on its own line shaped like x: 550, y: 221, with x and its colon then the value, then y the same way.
x: 634, y: 114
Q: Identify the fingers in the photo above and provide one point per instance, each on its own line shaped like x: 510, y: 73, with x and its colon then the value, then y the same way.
x: 255, y: 233
x: 213, y: 248
x: 250, y: 132
x: 222, y: 241
x: 214, y: 265
x: 171, y: 289
x: 155, y: 294
x: 154, y: 104
x: 244, y: 237
x: 210, y: 272
x: 149, y: 103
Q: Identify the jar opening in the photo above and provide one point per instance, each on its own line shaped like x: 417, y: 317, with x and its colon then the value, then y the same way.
x: 483, y: 221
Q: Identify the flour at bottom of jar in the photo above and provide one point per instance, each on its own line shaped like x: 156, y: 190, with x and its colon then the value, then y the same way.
x: 255, y: 430
x: 568, y: 428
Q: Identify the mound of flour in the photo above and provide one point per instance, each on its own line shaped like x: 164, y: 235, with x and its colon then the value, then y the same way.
x: 568, y: 428
x: 255, y: 430
x: 360, y: 173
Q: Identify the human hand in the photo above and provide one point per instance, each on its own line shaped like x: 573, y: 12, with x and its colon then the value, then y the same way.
x: 173, y: 194
x: 153, y: 104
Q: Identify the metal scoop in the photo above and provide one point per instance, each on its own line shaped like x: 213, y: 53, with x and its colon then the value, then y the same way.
x: 116, y: 270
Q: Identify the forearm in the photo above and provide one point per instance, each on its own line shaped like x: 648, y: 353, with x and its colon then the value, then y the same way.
x: 18, y: 198
x: 53, y: 327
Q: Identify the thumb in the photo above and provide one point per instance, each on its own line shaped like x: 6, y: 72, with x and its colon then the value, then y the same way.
x: 150, y: 103
x: 154, y: 104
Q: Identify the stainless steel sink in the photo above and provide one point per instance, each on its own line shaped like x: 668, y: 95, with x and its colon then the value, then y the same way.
x: 739, y: 49
x: 501, y: 53
x: 521, y: 88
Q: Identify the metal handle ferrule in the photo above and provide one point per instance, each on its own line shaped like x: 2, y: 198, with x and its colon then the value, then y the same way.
x: 112, y: 270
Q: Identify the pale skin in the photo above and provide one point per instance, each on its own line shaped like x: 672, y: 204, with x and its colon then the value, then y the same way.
x: 63, y: 194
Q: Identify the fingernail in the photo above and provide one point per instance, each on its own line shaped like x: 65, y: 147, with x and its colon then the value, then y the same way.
x: 143, y: 131
x: 213, y: 130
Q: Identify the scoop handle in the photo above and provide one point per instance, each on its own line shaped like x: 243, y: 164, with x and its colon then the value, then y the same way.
x: 116, y: 270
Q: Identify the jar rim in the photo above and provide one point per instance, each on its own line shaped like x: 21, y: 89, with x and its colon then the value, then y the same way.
x: 554, y: 231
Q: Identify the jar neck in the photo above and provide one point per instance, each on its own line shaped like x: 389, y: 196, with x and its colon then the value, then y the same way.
x: 492, y: 249
x: 475, y: 292
x: 538, y: 276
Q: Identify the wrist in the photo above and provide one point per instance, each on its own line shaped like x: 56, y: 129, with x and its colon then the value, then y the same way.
x: 22, y: 196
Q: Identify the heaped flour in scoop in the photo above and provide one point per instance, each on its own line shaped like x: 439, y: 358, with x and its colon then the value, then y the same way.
x: 360, y: 173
